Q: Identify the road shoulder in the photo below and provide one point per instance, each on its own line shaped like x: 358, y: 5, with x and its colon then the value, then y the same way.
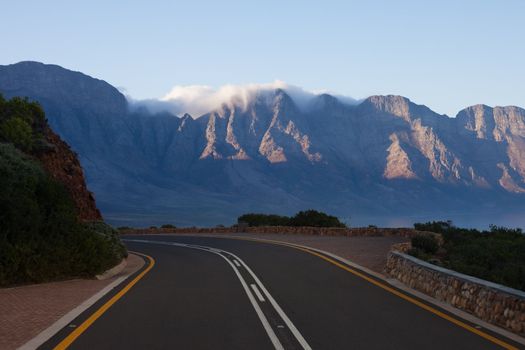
x: 28, y: 313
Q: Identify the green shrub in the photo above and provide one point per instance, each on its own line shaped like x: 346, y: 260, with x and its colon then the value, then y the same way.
x: 419, y: 253
x: 426, y: 243
x: 40, y: 236
x: 434, y: 226
x: 17, y: 131
x: 21, y: 122
x: 496, y: 255
x: 263, y: 220
x: 111, y: 237
x: 302, y: 218
x: 168, y: 226
x: 316, y: 219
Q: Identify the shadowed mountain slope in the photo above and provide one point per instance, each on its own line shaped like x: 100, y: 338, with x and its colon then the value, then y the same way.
x: 382, y: 158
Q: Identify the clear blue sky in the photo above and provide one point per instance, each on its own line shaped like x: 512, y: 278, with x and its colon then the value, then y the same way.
x: 446, y: 54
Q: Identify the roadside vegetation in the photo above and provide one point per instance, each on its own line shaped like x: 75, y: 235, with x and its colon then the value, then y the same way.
x: 303, y: 218
x: 41, y: 238
x: 168, y: 226
x: 21, y: 123
x: 496, y: 255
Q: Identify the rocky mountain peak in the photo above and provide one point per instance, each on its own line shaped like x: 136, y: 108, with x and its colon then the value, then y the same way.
x: 185, y: 121
x: 391, y: 104
x: 496, y: 123
x: 403, y: 108
x: 51, y: 81
x: 325, y: 101
x: 283, y: 104
x: 186, y: 116
x: 478, y: 119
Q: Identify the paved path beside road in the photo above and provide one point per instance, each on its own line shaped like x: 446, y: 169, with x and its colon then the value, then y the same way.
x: 25, y: 311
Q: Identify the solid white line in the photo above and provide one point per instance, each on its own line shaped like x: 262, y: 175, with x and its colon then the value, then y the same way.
x: 236, y: 263
x: 271, y: 334
x: 256, y: 291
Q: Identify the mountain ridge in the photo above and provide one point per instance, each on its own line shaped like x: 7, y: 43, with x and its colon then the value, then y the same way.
x: 384, y: 156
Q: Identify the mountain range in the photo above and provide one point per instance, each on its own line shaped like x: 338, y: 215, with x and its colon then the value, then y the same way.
x: 384, y: 160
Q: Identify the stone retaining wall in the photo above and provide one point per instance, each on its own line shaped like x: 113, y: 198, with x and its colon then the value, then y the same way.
x: 321, y: 231
x: 491, y: 302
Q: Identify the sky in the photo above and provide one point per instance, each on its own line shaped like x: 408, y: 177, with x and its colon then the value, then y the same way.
x: 444, y: 54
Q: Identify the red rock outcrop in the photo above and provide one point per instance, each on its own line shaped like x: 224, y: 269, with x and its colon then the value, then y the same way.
x: 62, y: 164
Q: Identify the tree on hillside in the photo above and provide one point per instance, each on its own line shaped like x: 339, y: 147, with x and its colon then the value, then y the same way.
x: 302, y: 218
x: 316, y: 219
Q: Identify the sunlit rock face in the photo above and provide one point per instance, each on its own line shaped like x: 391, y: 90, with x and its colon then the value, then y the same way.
x: 398, y: 164
x: 503, y: 130
x: 266, y: 152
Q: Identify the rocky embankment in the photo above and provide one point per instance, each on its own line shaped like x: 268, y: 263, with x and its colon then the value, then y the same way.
x: 62, y: 164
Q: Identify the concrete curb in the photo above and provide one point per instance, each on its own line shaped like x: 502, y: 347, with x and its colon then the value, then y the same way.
x: 115, y: 270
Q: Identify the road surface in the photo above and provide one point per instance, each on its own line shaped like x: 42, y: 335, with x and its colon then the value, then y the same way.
x: 216, y: 293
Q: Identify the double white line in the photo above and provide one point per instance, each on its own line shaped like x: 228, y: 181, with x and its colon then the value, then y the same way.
x: 256, y: 291
x: 238, y: 263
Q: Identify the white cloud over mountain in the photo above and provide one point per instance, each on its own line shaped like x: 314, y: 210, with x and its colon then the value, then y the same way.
x: 200, y: 99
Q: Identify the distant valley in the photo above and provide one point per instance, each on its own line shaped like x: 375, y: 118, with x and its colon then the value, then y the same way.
x: 383, y: 161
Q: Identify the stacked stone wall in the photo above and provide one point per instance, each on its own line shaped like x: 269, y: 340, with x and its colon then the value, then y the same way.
x: 491, y: 302
x: 321, y: 231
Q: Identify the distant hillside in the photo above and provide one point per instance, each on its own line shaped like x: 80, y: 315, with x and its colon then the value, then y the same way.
x: 50, y: 226
x: 383, y: 158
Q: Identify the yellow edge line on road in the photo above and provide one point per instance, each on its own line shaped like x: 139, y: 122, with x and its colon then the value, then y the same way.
x: 64, y: 344
x: 395, y: 292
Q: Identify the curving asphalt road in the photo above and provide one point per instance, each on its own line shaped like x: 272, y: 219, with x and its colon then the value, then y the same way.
x: 216, y: 293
